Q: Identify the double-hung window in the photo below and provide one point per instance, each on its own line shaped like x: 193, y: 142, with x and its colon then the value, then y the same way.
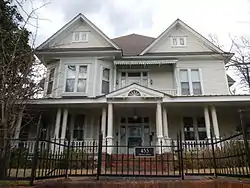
x: 76, y: 78
x: 128, y: 78
x: 51, y: 81
x: 179, y: 41
x: 105, y: 80
x: 80, y: 36
x: 190, y: 82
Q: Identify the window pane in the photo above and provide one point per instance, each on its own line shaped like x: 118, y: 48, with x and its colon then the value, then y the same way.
x: 105, y: 87
x: 195, y: 77
x: 144, y: 82
x: 71, y: 72
x: 123, y: 74
x: 51, y: 74
x: 196, y: 88
x: 183, y: 75
x: 174, y: 41
x: 105, y: 74
x: 82, y: 72
x: 83, y: 36
x: 76, y: 36
x: 81, y: 85
x: 134, y: 74
x: 182, y: 41
x: 50, y: 86
x: 145, y: 74
x: 70, y: 85
x: 188, y: 128
x: 185, y: 88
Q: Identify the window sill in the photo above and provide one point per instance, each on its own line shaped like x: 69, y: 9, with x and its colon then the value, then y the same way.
x: 66, y: 94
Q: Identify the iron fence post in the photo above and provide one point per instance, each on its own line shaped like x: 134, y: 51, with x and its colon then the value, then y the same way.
x: 213, y: 153
x: 36, y: 155
x: 181, y: 156
x: 244, y: 133
x: 99, y: 159
x: 67, y: 157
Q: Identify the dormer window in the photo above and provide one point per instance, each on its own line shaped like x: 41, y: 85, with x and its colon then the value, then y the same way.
x: 179, y: 41
x: 80, y: 36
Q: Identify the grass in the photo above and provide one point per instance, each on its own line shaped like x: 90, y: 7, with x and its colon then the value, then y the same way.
x: 13, y: 182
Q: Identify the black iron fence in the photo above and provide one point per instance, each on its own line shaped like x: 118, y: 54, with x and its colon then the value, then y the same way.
x: 38, y: 159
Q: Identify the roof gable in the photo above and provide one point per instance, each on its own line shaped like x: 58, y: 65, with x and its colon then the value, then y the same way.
x: 74, y: 24
x: 136, y: 91
x: 178, y: 23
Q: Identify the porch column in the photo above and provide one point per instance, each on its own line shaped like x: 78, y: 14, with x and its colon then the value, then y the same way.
x: 110, y: 128
x: 18, y: 124
x: 215, y: 122
x: 58, y: 122
x: 64, y: 123
x: 159, y: 133
x: 72, y: 122
x: 165, y: 126
x: 114, y: 87
x: 207, y: 122
x: 104, y: 116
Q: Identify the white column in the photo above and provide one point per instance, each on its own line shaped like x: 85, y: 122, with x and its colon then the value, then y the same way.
x: 159, y: 132
x: 104, y: 116
x: 110, y: 127
x: 58, y: 122
x: 72, y: 122
x: 165, y: 127
x: 215, y: 122
x: 92, y: 124
x: 114, y: 87
x: 207, y: 121
x: 18, y: 124
x: 64, y: 123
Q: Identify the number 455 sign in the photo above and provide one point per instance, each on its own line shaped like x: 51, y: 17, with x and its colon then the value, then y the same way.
x: 144, y: 151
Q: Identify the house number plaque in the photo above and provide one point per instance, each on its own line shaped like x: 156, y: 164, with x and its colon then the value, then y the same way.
x: 144, y: 151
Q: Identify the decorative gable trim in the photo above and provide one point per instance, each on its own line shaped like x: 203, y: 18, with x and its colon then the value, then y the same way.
x: 136, y: 91
x: 209, y: 44
x: 79, y: 16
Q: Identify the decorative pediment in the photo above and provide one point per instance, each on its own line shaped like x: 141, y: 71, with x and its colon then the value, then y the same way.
x: 135, y: 91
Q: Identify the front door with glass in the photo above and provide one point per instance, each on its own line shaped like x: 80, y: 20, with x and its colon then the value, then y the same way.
x: 134, y: 132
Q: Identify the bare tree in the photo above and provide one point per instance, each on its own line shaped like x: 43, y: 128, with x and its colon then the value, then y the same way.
x: 19, y: 70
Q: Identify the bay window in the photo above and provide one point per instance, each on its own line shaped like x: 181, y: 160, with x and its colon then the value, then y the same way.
x: 76, y: 78
x: 105, y: 80
x: 190, y: 82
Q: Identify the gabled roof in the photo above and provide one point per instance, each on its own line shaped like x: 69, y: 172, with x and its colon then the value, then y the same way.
x: 133, y: 44
x: 209, y: 44
x: 82, y: 17
x: 133, y: 89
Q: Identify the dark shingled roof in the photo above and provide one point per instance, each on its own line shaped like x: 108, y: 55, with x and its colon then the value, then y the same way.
x: 133, y: 44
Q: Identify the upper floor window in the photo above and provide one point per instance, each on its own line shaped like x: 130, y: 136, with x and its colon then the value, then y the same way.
x: 80, y: 36
x: 179, y: 41
x: 51, y: 81
x: 190, y: 82
x: 76, y: 78
x: 105, y: 80
x: 128, y: 78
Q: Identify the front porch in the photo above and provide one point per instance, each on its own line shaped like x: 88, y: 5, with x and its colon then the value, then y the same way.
x: 133, y: 124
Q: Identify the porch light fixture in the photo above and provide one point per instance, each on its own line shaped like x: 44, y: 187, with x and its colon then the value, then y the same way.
x: 151, y: 81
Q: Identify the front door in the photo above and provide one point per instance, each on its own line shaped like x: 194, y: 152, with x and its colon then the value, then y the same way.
x: 134, y: 132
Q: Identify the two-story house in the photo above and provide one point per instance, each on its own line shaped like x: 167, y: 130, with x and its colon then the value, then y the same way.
x: 134, y: 86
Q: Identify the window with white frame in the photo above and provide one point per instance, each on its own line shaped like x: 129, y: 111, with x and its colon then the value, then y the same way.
x: 79, y: 126
x: 139, y: 77
x: 51, y: 81
x: 76, y: 78
x: 179, y: 41
x: 80, y: 36
x: 190, y: 82
x: 105, y: 80
x: 194, y: 128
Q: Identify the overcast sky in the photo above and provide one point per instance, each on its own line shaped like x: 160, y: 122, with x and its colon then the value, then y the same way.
x: 149, y: 17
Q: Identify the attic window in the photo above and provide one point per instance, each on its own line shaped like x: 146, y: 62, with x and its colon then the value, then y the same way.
x: 80, y: 36
x: 179, y: 41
